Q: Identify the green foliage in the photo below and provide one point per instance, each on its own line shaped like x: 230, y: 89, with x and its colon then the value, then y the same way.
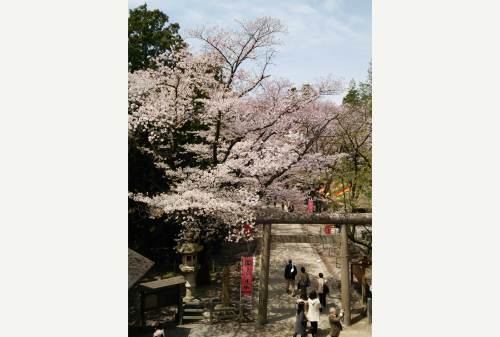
x: 149, y: 35
x: 143, y: 176
x: 354, y: 171
x: 170, y: 274
x: 365, y: 92
x: 353, y: 96
x: 153, y: 238
x: 360, y: 96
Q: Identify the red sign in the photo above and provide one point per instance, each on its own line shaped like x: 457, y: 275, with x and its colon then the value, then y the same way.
x: 246, y: 275
x: 328, y: 229
x: 310, y: 206
x: 247, y: 229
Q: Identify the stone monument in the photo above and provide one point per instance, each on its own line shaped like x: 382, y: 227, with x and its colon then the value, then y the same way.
x: 189, y: 267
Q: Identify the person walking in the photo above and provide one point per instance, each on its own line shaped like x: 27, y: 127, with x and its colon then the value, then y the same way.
x: 300, y: 321
x: 159, y: 333
x: 322, y: 290
x: 335, y: 325
x: 290, y: 273
x: 312, y: 315
x: 303, y: 282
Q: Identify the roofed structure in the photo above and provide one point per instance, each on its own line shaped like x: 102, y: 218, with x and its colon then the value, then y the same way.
x: 167, y: 282
x: 138, y: 266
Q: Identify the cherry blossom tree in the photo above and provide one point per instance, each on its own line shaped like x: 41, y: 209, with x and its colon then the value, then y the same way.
x: 255, y: 136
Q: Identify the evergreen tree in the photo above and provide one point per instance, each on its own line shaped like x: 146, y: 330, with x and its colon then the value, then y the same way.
x: 150, y: 35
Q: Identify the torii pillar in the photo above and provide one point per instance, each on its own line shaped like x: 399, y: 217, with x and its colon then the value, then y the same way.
x: 264, y: 274
x: 344, y: 275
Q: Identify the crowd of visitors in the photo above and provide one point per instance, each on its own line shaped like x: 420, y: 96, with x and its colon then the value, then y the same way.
x: 311, y: 304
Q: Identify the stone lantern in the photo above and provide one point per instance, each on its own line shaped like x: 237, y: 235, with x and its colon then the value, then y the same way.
x: 189, y: 266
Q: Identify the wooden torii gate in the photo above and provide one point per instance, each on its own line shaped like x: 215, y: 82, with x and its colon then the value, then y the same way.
x: 267, y: 217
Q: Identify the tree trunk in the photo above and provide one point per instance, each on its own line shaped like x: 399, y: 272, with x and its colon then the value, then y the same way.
x: 216, y: 139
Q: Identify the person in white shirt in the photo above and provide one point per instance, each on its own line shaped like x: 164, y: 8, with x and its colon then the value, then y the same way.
x: 321, y: 291
x: 313, y: 307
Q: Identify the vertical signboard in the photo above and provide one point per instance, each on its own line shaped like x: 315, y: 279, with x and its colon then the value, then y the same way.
x: 246, y: 275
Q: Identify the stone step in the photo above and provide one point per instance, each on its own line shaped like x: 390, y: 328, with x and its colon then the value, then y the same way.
x: 194, y: 305
x: 192, y: 317
x: 224, y: 308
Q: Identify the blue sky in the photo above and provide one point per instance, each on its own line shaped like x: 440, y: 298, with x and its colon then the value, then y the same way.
x: 324, y: 36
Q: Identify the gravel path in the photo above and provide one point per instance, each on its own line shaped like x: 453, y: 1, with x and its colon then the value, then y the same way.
x: 281, y: 312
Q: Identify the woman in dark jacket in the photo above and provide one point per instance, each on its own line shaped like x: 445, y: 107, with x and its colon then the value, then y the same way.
x: 300, y: 321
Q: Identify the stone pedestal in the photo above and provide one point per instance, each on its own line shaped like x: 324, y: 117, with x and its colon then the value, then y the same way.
x: 189, y: 266
x: 190, y: 276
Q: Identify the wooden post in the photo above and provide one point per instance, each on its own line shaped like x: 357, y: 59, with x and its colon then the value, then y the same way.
x: 344, y: 275
x: 264, y: 274
x: 240, y: 312
x: 363, y: 288
x: 139, y: 307
x: 180, y: 305
x: 226, y: 288
x: 351, y: 275
x: 369, y: 310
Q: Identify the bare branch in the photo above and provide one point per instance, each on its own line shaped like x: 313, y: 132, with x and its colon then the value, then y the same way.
x: 237, y: 47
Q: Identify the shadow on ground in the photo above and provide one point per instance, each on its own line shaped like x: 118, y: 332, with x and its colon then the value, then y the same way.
x: 172, y: 331
x: 281, y: 306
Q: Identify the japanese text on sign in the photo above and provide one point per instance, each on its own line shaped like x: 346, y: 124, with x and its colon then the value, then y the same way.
x: 328, y: 229
x: 246, y: 275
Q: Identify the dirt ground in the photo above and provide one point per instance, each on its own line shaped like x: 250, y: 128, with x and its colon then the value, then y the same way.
x: 281, y: 311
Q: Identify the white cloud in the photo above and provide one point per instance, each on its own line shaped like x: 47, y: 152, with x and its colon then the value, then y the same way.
x: 323, y: 35
x: 302, y: 9
x: 331, y: 5
x: 196, y: 16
